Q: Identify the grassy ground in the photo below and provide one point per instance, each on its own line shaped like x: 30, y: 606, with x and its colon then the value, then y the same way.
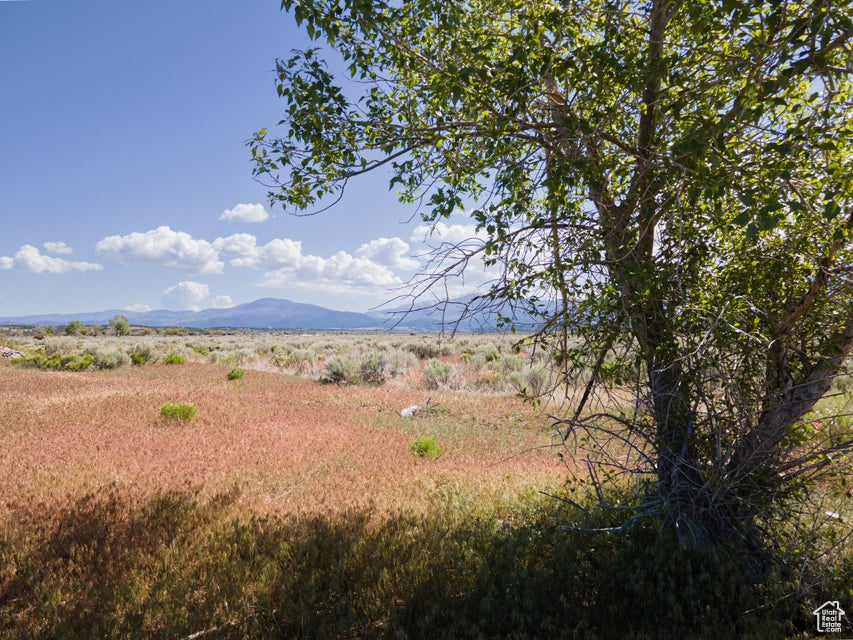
x: 289, y: 445
x: 290, y: 508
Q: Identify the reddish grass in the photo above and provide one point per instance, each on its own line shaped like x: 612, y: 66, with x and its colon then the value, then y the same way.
x: 289, y: 445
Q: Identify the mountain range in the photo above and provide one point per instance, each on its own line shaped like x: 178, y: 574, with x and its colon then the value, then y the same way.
x: 266, y: 313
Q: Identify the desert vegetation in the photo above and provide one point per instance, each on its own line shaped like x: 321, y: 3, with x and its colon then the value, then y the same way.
x: 151, y: 500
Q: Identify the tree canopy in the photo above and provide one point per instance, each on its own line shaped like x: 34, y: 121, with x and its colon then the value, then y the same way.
x: 666, y: 185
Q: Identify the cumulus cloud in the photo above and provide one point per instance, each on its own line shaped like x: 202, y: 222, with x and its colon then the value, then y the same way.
x: 370, y: 269
x: 222, y: 302
x: 29, y: 258
x: 185, y: 295
x: 142, y: 308
x: 251, y: 213
x: 443, y: 232
x: 340, y: 273
x: 58, y: 248
x: 245, y: 252
x: 164, y: 247
x: 389, y: 252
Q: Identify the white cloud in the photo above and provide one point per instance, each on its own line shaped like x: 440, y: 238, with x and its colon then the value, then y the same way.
x: 142, y: 308
x: 29, y: 258
x: 243, y: 245
x: 251, y: 213
x: 58, y: 248
x: 370, y: 270
x: 245, y: 252
x: 443, y: 232
x: 185, y: 295
x: 164, y: 247
x: 341, y: 273
x: 389, y: 252
x: 222, y: 302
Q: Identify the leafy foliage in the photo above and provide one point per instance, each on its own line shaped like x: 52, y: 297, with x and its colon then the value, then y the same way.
x: 75, y: 327
x: 236, y: 374
x: 426, y: 447
x: 664, y: 185
x: 142, y: 355
x: 57, y: 361
x: 180, y: 411
x: 120, y: 325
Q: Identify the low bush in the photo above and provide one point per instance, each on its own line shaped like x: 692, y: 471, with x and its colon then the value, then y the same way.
x: 57, y: 361
x: 174, y: 358
x: 109, y: 360
x: 180, y: 411
x: 531, y: 383
x: 76, y: 362
x: 438, y: 374
x: 372, y: 368
x: 142, y: 355
x: 424, y: 350
x: 236, y: 374
x: 426, y: 447
x: 340, y: 371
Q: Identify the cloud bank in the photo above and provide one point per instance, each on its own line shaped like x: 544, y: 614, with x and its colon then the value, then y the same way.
x: 29, y: 258
x: 165, y: 248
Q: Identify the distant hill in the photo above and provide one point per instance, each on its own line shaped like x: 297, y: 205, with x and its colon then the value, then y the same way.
x: 269, y: 313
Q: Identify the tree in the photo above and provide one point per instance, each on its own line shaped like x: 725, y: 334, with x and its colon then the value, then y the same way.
x: 120, y: 325
x: 666, y: 184
x: 74, y: 328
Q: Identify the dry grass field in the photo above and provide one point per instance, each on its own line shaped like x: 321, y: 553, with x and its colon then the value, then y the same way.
x: 287, y: 444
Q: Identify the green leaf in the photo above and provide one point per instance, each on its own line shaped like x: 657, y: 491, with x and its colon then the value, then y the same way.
x: 831, y: 210
x: 742, y: 218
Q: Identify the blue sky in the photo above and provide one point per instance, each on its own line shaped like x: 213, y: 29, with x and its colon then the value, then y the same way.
x: 125, y: 182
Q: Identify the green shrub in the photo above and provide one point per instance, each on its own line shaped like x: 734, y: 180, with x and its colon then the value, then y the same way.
x: 174, y: 358
x: 508, y: 363
x: 141, y: 355
x: 236, y: 374
x: 424, y: 350
x: 438, y: 374
x: 531, y: 383
x: 426, y: 447
x: 372, y: 368
x: 110, y: 360
x: 59, y: 346
x: 232, y: 359
x: 77, y: 362
x: 340, y: 371
x: 294, y: 359
x: 57, y: 361
x: 490, y: 353
x: 398, y: 362
x: 180, y: 411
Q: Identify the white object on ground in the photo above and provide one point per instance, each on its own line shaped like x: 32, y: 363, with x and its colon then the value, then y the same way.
x: 409, y: 411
